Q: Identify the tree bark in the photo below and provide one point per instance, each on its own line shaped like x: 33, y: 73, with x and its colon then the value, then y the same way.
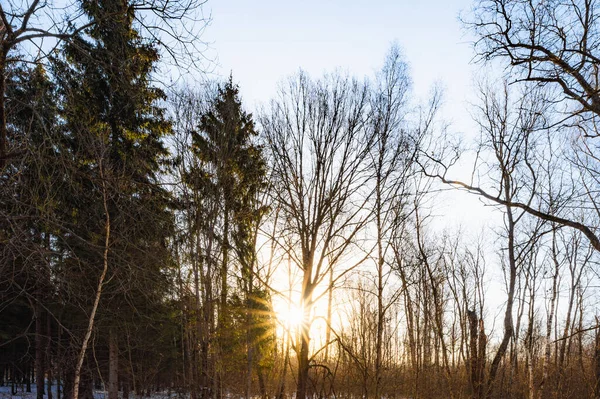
x: 380, y: 305
x: 597, y: 362
x: 512, y: 265
x: 303, y: 364
x: 39, y: 349
x: 476, y: 349
x: 49, y: 355
x: 88, y: 333
x: 113, y: 366
x: 3, y: 128
x: 548, y: 344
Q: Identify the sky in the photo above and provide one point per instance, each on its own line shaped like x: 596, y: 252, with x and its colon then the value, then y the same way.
x: 263, y: 42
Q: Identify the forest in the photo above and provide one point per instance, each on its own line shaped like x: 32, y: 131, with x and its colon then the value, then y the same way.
x: 161, y: 239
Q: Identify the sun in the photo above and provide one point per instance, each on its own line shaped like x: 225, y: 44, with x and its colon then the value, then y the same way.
x: 290, y: 316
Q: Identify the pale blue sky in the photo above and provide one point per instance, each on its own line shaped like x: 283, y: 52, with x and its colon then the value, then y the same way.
x: 266, y: 40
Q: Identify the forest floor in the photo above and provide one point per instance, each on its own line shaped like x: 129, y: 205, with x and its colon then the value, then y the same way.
x: 5, y: 393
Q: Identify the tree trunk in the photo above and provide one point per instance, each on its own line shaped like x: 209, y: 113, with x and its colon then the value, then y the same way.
x: 474, y: 360
x: 303, y: 365
x: 49, y: 355
x: 481, y: 356
x: 303, y: 362
x: 530, y: 352
x: 113, y: 366
x: 39, y: 349
x: 249, y: 354
x: 597, y: 362
x: 126, y: 389
x: 329, y: 314
x: 548, y: 344
x: 508, y: 319
x: 222, y: 325
x: 59, y: 383
x: 225, y: 264
x: 88, y: 333
x: 281, y: 389
x: 262, y: 386
x: 3, y: 128
x: 380, y: 317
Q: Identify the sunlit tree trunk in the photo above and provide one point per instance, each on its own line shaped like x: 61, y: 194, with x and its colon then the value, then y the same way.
x: 92, y: 316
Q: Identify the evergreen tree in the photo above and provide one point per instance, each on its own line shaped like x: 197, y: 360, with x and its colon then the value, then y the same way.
x: 233, y: 163
x: 233, y: 170
x: 114, y: 129
x: 28, y: 188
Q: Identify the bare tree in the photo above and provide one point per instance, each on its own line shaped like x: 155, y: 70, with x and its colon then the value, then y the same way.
x: 392, y: 161
x: 197, y: 244
x: 509, y: 134
x: 548, y: 42
x: 104, y: 182
x: 316, y: 135
x: 552, y: 44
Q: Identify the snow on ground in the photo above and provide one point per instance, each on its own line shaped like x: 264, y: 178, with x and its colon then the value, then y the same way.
x: 5, y: 393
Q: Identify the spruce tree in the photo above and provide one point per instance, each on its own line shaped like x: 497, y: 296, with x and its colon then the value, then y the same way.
x: 234, y: 172
x: 114, y: 128
x: 27, y: 198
